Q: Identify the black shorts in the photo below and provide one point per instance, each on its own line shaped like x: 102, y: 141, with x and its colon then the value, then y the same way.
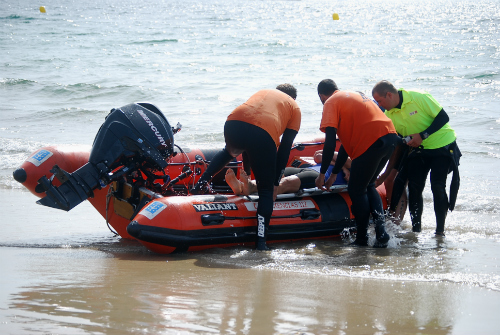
x: 307, y: 176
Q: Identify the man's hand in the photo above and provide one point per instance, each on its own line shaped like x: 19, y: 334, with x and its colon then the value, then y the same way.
x: 325, y: 186
x: 330, y: 181
x: 416, y: 140
x: 320, y: 181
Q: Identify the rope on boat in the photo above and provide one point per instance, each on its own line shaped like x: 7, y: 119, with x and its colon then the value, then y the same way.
x: 108, y: 198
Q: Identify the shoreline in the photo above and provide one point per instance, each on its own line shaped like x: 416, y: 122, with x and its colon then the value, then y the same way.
x: 51, y: 289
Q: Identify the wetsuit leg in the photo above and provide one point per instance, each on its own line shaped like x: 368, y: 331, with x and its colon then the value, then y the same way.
x: 223, y: 157
x: 361, y: 188
x: 418, y: 169
x: 263, y: 162
x: 360, y: 207
x: 220, y: 160
x: 261, y: 152
x: 439, y: 172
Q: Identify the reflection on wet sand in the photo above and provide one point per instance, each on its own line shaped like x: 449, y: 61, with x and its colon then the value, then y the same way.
x: 89, y: 291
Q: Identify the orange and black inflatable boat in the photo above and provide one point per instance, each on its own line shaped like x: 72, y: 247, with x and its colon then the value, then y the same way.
x: 140, y: 182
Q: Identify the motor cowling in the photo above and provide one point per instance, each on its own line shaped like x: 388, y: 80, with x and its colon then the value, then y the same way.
x: 133, y: 136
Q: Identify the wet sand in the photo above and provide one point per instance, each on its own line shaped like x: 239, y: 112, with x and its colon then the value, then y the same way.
x: 73, y: 277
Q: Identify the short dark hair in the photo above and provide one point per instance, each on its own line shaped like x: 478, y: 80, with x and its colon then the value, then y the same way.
x: 327, y: 87
x: 288, y: 89
x: 382, y: 87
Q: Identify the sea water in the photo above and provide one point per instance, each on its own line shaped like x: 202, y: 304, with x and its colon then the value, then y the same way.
x: 62, y: 71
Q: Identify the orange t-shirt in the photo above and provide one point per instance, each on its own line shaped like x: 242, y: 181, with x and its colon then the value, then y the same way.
x: 358, y: 120
x: 271, y: 110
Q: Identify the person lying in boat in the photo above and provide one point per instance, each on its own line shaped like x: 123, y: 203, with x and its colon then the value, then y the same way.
x: 294, y: 179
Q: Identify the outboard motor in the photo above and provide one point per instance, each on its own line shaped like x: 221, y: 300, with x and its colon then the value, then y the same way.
x: 132, y: 137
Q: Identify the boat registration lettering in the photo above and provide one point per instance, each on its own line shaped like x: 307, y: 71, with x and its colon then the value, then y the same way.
x: 153, y: 209
x: 215, y: 206
x: 40, y: 157
x: 283, y: 205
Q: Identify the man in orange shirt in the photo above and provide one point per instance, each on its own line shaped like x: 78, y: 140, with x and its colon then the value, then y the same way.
x: 368, y: 137
x: 254, y: 130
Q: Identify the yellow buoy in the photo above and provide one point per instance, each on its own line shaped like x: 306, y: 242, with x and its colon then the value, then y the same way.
x: 335, y: 16
x: 42, y: 9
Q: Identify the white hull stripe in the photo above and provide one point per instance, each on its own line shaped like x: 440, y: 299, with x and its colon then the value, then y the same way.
x: 284, y: 205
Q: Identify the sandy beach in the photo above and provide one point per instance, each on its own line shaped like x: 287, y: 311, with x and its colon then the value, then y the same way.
x: 56, y: 282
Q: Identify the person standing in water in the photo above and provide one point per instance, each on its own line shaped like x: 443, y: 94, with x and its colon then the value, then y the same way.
x: 433, y: 148
x: 368, y: 137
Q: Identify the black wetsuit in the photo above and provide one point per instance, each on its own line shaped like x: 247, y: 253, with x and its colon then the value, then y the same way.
x: 414, y: 168
x: 364, y: 172
x: 266, y: 163
x: 439, y: 162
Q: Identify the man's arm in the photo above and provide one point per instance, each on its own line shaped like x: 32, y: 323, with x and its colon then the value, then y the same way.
x: 283, y: 153
x: 328, y: 152
x: 439, y: 121
x: 328, y: 148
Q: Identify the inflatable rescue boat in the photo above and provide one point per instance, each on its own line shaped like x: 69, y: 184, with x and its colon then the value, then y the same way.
x: 140, y: 182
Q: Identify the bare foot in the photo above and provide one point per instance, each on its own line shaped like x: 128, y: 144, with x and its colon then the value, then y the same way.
x: 245, y: 183
x: 234, y: 183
